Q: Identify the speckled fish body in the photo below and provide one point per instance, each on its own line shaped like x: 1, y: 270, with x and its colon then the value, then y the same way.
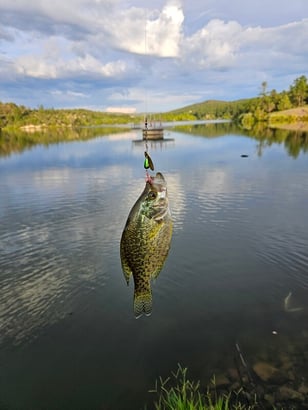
x: 146, y: 241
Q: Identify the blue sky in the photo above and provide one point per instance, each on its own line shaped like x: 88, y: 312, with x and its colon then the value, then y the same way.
x: 136, y: 55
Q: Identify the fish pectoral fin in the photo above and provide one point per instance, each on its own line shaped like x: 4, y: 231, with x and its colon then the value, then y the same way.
x: 142, y: 304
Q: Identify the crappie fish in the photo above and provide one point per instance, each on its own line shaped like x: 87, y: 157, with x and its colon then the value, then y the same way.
x: 146, y: 241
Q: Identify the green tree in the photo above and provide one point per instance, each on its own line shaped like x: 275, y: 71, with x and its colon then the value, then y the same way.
x: 284, y: 102
x: 260, y: 114
x: 267, y: 100
x: 268, y: 103
x: 263, y: 89
x: 299, y: 90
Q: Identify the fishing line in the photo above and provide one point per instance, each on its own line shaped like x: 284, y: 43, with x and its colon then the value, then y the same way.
x: 148, y: 163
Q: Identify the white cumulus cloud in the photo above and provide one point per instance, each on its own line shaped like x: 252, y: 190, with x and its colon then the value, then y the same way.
x: 215, y: 45
x: 176, y: 52
x: 156, y: 33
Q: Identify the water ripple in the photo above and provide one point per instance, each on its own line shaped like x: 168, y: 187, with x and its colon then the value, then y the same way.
x: 288, y: 251
x: 48, y: 261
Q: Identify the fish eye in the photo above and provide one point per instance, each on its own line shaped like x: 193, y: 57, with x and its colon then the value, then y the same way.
x: 152, y: 195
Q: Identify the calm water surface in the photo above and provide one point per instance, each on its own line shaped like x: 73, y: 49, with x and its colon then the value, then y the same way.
x: 69, y: 339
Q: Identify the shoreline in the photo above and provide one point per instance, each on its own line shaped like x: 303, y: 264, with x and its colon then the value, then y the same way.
x: 294, y: 119
x: 301, y: 126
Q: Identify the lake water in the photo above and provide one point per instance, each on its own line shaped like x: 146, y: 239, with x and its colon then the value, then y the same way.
x: 69, y: 339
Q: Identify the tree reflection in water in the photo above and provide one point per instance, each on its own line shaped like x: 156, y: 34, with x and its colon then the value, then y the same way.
x: 17, y: 141
x: 294, y: 141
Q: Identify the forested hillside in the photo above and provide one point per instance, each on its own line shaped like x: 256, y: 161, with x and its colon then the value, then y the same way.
x: 253, y: 109
x: 17, y: 116
x: 245, y: 111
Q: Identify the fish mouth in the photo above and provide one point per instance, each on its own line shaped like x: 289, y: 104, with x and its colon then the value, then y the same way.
x: 159, y: 181
x: 160, y: 176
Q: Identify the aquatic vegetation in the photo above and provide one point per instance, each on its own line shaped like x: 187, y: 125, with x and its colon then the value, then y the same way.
x: 178, y: 392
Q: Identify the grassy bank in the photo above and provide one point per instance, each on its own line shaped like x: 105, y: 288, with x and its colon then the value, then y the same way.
x: 292, y: 119
x: 264, y: 385
x: 178, y: 392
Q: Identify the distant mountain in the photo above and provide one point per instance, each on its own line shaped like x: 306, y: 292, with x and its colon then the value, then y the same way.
x: 212, y: 109
x: 201, y: 105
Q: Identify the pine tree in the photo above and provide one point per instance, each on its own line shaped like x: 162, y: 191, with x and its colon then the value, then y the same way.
x: 299, y: 91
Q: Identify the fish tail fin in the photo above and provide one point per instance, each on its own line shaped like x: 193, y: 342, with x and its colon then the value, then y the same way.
x: 142, y: 304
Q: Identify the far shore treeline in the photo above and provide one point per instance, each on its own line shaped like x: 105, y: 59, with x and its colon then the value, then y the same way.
x: 269, y: 106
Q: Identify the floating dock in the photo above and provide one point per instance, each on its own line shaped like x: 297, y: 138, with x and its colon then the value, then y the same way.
x: 155, y: 133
